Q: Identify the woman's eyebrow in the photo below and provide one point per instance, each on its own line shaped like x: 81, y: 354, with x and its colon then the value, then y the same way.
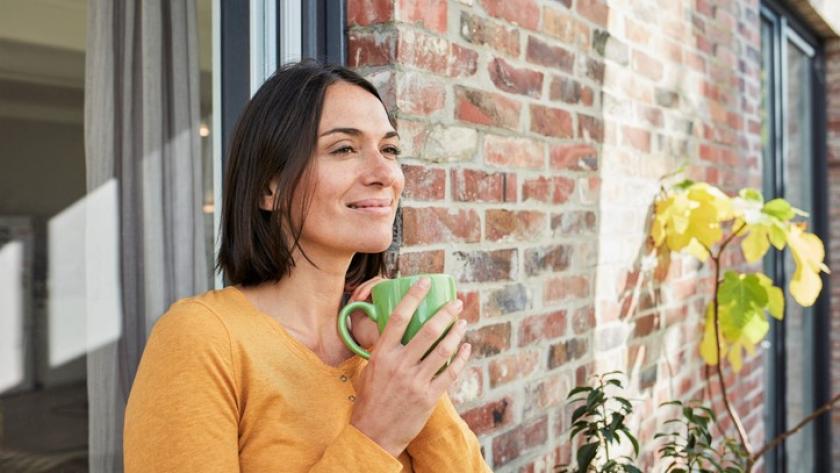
x: 357, y: 132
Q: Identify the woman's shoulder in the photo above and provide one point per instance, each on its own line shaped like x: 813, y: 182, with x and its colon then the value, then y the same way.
x: 212, y: 313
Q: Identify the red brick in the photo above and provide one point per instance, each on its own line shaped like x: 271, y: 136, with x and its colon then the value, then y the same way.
x: 424, y: 183
x: 583, y: 320
x: 486, y: 108
x: 547, y: 259
x: 587, y: 96
x: 552, y: 122
x: 573, y: 223
x: 556, y: 190
x: 463, y: 62
x: 542, y: 327
x: 636, y: 32
x: 434, y: 54
x: 544, y: 54
x: 507, y: 300
x: 646, y: 325
x: 479, y: 31
x: 515, y: 80
x: 514, y: 152
x: 576, y: 157
x: 484, y: 266
x: 472, y: 305
x: 652, y: 115
x: 428, y: 13
x: 524, y: 13
x: 551, y: 391
x: 368, y: 12
x: 596, y: 11
x: 647, y: 66
x: 468, y: 387
x: 590, y: 128
x: 636, y: 137
x: 570, y: 350
x: 371, y: 48
x: 420, y: 262
x: 595, y: 70
x: 440, y: 225
x: 506, y: 225
x: 421, y: 50
x: 419, y: 95
x: 565, y: 89
x: 563, y: 25
x: 472, y: 185
x: 491, y: 416
x: 562, y: 188
x: 509, y: 368
x: 565, y: 287
x: 489, y: 340
x: 511, y: 445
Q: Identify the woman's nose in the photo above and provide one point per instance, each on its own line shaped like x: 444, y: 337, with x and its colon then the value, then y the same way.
x: 381, y: 169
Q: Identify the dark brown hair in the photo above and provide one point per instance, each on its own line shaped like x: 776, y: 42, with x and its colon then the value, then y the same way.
x: 275, y: 137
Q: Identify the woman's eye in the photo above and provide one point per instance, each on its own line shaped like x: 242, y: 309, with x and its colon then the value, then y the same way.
x: 343, y: 150
x: 392, y: 150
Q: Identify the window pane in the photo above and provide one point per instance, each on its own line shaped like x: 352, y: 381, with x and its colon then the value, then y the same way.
x: 45, y: 330
x: 798, y: 160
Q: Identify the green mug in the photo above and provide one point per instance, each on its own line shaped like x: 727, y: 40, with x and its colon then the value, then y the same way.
x: 387, y: 294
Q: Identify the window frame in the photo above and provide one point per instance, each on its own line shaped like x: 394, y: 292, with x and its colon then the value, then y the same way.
x: 788, y: 27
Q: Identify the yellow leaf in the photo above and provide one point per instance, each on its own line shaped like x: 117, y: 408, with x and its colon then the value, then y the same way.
x: 808, y: 254
x: 756, y: 244
x: 708, y: 348
x: 775, y: 297
x: 697, y: 250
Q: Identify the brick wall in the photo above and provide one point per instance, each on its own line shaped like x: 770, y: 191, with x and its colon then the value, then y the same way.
x: 832, y: 60
x: 535, y: 132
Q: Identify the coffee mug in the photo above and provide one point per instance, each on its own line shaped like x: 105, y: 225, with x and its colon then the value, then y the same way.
x: 387, y: 294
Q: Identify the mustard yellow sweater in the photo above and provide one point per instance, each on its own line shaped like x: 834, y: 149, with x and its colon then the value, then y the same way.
x: 222, y: 387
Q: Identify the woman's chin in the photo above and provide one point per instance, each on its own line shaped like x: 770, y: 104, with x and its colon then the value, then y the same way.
x: 373, y: 245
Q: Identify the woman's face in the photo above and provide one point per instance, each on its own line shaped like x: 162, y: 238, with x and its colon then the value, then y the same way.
x: 355, y: 180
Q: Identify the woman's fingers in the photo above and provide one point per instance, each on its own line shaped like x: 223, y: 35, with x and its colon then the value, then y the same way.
x: 443, y: 351
x: 401, y: 316
x: 442, y: 382
x: 433, y: 330
x: 362, y: 291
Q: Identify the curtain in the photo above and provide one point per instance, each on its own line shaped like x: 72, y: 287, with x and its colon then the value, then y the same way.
x: 141, y: 132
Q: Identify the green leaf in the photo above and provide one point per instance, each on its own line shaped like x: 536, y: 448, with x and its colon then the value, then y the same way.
x: 751, y: 194
x: 578, y: 413
x: 780, y: 209
x: 585, y: 454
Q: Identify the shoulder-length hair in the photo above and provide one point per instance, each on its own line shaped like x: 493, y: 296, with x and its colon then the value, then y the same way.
x: 275, y: 136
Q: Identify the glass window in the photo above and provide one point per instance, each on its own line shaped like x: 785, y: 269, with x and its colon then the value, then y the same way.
x: 48, y: 209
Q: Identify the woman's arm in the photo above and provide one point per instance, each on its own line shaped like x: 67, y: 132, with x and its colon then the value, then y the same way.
x: 446, y: 443
x: 182, y: 413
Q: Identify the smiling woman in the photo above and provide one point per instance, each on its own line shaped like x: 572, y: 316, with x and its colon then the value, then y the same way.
x: 255, y: 377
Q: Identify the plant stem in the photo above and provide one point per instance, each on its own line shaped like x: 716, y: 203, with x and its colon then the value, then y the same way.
x: 781, y: 437
x: 606, y: 422
x: 739, y: 427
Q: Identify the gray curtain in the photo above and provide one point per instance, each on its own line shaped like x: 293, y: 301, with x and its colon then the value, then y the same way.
x: 141, y: 130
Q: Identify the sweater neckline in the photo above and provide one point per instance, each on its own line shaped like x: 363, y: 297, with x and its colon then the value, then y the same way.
x: 296, y: 346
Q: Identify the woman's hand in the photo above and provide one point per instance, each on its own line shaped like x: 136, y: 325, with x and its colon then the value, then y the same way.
x: 397, y: 391
x: 363, y: 329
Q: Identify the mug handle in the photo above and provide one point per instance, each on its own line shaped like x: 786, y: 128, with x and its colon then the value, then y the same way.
x: 369, y: 310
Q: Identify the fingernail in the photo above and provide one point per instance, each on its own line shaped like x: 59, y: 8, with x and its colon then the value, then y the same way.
x: 462, y: 324
x: 457, y: 305
x: 424, y: 283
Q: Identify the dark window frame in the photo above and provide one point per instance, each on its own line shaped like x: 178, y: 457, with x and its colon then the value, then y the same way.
x: 787, y: 26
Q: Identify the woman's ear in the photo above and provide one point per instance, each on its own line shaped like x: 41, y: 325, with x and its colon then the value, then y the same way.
x: 267, y: 200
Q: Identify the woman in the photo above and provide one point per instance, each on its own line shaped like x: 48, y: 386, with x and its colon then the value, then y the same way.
x: 254, y: 377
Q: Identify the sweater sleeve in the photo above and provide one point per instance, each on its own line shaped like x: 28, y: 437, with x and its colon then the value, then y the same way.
x: 446, y: 443
x: 182, y: 413
x: 354, y: 452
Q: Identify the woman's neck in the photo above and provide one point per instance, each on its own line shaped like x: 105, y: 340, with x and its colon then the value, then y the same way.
x: 306, y: 302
